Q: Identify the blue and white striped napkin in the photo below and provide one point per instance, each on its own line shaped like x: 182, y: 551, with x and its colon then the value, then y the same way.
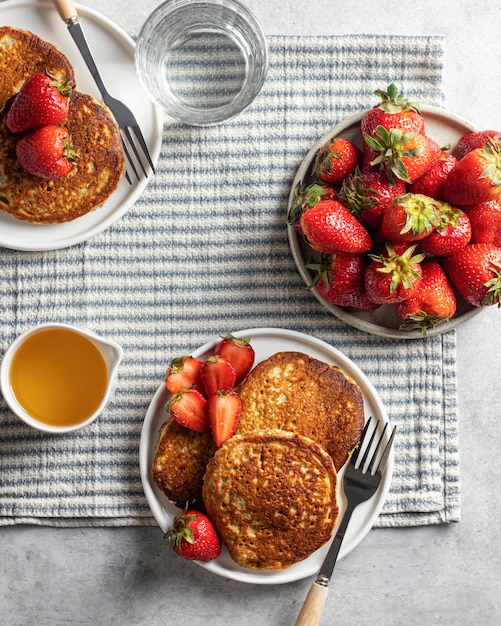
x: 204, y: 251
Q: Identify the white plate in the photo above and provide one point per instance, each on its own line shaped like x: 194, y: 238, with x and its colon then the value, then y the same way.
x: 113, y: 51
x: 445, y: 128
x: 267, y: 341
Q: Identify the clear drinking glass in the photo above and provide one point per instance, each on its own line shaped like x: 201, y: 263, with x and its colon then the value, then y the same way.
x: 202, y: 61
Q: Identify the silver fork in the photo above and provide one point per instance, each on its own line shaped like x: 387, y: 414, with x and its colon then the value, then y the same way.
x: 360, y: 483
x: 123, y: 115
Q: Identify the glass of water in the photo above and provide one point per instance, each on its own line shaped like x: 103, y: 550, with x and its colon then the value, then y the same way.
x: 202, y: 61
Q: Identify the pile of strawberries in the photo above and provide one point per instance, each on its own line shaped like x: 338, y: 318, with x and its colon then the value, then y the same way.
x: 204, y: 400
x: 404, y: 221
x: 44, y: 148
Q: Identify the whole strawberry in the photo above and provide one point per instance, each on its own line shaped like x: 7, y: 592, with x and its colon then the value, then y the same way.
x: 368, y: 194
x: 405, y: 156
x: 433, y: 301
x: 46, y: 152
x: 475, y: 271
x: 411, y: 217
x: 306, y: 196
x: 394, y: 275
x: 452, y: 232
x: 340, y: 280
x: 485, y: 220
x: 476, y: 178
x: 329, y: 227
x: 474, y: 140
x: 394, y: 111
x: 193, y: 536
x: 336, y: 160
x: 432, y: 182
x: 41, y: 101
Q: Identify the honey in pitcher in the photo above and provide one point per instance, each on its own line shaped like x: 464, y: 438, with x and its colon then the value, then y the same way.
x: 59, y: 377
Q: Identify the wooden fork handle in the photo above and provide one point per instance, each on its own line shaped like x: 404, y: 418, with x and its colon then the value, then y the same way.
x: 66, y: 9
x: 313, y: 606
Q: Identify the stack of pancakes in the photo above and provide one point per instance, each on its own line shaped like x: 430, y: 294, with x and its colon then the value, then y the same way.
x: 94, y: 132
x: 271, y: 490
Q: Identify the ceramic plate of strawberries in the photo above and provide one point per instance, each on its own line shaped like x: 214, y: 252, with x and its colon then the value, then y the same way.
x: 394, y: 219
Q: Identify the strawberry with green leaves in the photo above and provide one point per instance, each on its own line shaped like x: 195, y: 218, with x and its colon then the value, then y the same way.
x: 184, y: 372
x: 339, y: 279
x: 410, y: 218
x: 193, y: 536
x: 476, y: 178
x: 189, y: 408
x: 475, y: 271
x: 336, y: 160
x: 239, y: 353
x: 368, y: 194
x: 432, y: 182
x: 404, y: 156
x: 42, y: 100
x: 433, y: 302
x: 224, y: 408
x: 306, y: 196
x: 485, y: 220
x: 452, y: 232
x: 394, y: 111
x: 393, y: 275
x: 47, y: 152
x: 329, y: 227
x: 474, y: 140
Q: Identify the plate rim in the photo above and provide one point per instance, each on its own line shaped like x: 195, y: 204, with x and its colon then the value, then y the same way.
x: 294, y: 238
x: 44, y: 243
x: 309, y: 566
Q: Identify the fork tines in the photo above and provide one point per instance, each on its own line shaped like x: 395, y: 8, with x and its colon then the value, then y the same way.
x: 384, y: 456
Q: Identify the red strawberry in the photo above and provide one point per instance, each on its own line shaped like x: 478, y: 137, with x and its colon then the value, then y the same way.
x: 402, y: 155
x: 239, y: 353
x: 189, y: 408
x: 182, y: 373
x: 42, y: 100
x: 329, y: 227
x: 452, y: 232
x: 476, y: 178
x: 394, y: 111
x: 431, y: 183
x: 217, y: 374
x: 368, y: 194
x: 46, y: 152
x: 340, y: 280
x: 411, y: 217
x: 394, y: 275
x: 193, y: 536
x: 485, y: 220
x: 432, y: 302
x: 306, y: 197
x: 475, y: 271
x: 474, y: 140
x: 224, y: 414
x: 336, y: 160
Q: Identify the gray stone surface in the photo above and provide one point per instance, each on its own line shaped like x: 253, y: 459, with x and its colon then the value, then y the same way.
x: 448, y: 575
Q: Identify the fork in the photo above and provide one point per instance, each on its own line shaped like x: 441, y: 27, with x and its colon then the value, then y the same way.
x: 123, y: 115
x: 360, y: 483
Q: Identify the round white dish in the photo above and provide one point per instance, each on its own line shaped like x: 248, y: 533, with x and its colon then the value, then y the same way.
x: 445, y: 128
x: 267, y: 341
x: 113, y: 51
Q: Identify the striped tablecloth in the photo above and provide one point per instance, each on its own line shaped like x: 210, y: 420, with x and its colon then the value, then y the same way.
x: 205, y: 251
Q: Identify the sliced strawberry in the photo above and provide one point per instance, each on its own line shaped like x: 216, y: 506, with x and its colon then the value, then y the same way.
x: 217, y: 374
x: 184, y: 372
x: 224, y: 414
x: 189, y: 408
x: 239, y: 353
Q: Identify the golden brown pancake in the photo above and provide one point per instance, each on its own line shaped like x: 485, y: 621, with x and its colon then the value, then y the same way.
x: 99, y: 168
x: 295, y: 392
x: 272, y: 496
x: 23, y: 54
x: 180, y: 461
